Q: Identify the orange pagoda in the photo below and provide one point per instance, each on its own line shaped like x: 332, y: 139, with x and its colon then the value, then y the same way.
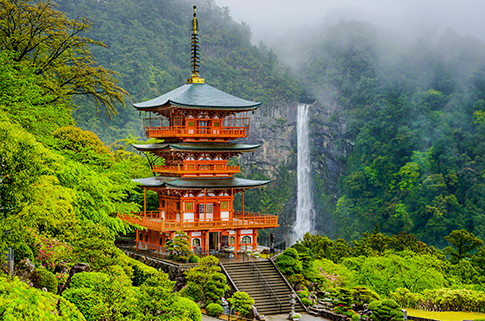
x: 198, y: 125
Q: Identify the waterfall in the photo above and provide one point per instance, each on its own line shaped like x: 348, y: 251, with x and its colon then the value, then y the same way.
x: 304, y: 207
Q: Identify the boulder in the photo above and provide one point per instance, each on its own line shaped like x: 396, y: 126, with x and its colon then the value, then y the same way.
x: 24, y: 270
x: 61, y: 267
x: 77, y: 268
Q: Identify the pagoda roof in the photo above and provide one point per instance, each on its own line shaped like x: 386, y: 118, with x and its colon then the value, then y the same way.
x: 198, y: 96
x: 199, y: 183
x: 203, y: 147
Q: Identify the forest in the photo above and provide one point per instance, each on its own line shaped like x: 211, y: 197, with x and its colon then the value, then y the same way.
x: 407, y: 119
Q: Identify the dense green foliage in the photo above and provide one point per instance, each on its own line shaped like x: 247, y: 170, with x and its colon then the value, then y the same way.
x: 241, y: 302
x: 414, y: 130
x: 20, y: 302
x: 154, y: 58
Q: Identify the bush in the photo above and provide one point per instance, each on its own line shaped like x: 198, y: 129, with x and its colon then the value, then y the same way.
x: 306, y: 301
x: 241, y: 302
x: 298, y: 280
x: 194, y: 311
x: 85, y: 299
x: 194, y: 259
x: 20, y: 302
x: 141, y: 272
x: 44, y: 278
x: 22, y: 251
x: 91, y: 280
x: 216, y: 288
x: 192, y: 291
x: 214, y: 309
x: 288, y: 262
x: 386, y: 310
x: 356, y: 317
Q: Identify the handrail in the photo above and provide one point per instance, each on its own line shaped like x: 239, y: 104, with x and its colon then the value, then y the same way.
x: 197, y: 131
x: 152, y: 220
x: 196, y: 168
x: 228, y: 276
x: 288, y: 284
x: 265, y: 286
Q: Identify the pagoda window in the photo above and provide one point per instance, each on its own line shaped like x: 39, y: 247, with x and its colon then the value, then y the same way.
x: 188, y: 206
x: 163, y: 203
x: 232, y: 240
x: 146, y: 237
x: 160, y: 241
x: 196, y: 242
x: 224, y: 205
x: 178, y: 206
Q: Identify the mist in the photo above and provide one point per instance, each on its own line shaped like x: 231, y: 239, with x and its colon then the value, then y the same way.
x: 285, y: 26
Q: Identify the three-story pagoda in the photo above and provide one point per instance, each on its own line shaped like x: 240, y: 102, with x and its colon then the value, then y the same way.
x: 198, y: 124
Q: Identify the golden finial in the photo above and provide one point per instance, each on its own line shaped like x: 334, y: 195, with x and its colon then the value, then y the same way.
x: 195, y: 79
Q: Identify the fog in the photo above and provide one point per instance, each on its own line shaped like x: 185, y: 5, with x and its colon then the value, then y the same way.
x: 279, y: 23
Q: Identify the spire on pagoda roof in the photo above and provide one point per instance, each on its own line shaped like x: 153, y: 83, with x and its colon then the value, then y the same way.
x: 195, y: 79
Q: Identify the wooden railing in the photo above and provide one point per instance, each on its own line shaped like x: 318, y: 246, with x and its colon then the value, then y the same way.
x: 152, y: 221
x: 197, y: 168
x: 197, y: 132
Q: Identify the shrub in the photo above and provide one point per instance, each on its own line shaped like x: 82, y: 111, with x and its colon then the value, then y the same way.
x: 216, y: 288
x: 241, y: 302
x: 141, y: 272
x: 192, y: 291
x: 306, y: 301
x: 362, y: 295
x: 194, y: 259
x: 20, y: 302
x: 214, y: 309
x: 356, y: 317
x: 386, y: 310
x: 44, y: 278
x: 298, y: 280
x: 22, y: 251
x: 85, y: 299
x: 288, y: 262
x: 194, y: 311
x: 91, y: 280
x: 179, y: 247
x: 296, y: 316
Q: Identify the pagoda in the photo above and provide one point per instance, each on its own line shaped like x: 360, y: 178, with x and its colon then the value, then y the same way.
x: 198, y: 125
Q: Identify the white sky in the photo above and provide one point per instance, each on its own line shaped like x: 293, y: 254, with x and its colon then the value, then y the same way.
x: 269, y: 19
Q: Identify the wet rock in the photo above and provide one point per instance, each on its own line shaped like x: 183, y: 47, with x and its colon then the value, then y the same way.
x: 61, y: 267
x: 77, y: 268
x: 24, y: 270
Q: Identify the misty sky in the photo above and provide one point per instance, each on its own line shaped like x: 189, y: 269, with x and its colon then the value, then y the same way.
x: 269, y: 19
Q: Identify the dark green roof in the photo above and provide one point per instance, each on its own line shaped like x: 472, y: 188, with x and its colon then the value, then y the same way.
x: 219, y: 147
x: 199, y: 183
x: 199, y: 96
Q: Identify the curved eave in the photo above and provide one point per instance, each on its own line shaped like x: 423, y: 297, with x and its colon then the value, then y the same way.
x: 200, y: 183
x: 198, y: 96
x: 203, y: 147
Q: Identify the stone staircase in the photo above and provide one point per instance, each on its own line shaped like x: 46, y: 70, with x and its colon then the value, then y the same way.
x: 250, y: 277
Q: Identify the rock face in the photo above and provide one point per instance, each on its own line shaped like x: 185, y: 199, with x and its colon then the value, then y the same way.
x: 275, y: 128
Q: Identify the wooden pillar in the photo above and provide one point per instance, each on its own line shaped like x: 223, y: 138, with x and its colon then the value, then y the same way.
x: 205, y: 206
x: 207, y: 241
x: 236, y: 244
x: 137, y: 238
x: 145, y: 201
x: 255, y: 240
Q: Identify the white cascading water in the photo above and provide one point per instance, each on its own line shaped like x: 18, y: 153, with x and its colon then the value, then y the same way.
x: 304, y: 207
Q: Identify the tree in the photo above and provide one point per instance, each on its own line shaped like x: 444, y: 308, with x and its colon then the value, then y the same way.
x: 463, y: 243
x: 45, y: 40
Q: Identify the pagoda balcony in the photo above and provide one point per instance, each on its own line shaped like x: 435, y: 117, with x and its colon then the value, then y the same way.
x: 246, y: 220
x: 197, y: 133
x: 198, y: 169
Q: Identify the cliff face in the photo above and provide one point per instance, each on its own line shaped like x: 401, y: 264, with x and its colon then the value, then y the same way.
x: 275, y: 128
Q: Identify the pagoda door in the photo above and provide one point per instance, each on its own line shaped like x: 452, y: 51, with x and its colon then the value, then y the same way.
x: 191, y: 128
